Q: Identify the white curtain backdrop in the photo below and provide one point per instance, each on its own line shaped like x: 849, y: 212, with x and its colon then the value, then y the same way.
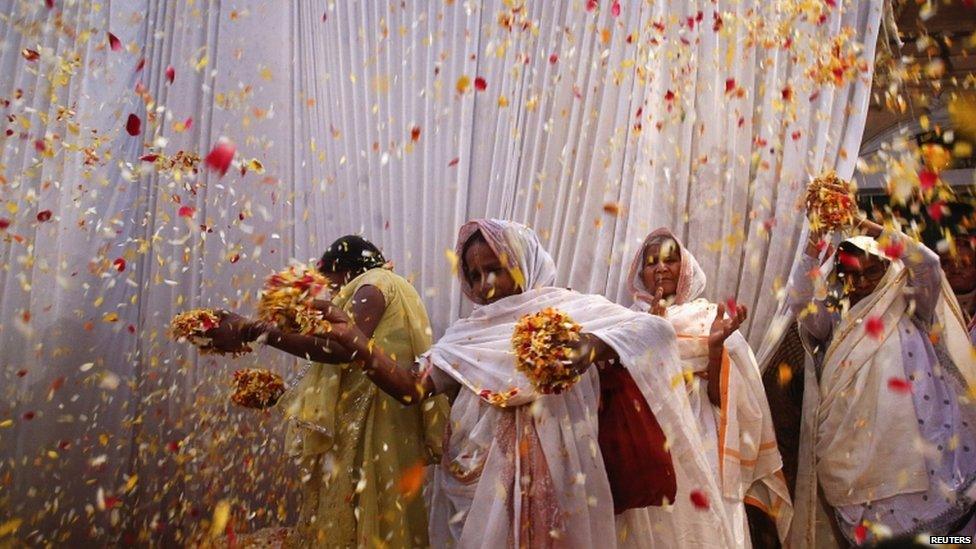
x: 593, y: 122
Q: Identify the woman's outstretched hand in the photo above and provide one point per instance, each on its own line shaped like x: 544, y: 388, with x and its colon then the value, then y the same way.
x: 232, y: 334
x: 723, y: 327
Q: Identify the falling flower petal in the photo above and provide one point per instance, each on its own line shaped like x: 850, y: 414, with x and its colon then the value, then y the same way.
x: 899, y: 385
x: 44, y: 215
x: 848, y: 259
x: 415, y: 133
x: 480, y: 84
x: 114, y: 42
x: 874, y: 327
x: 119, y: 264
x: 860, y: 534
x: 187, y: 211
x: 30, y: 55
x: 699, y: 499
x: 4, y: 223
x: 411, y: 481
x: 615, y: 9
x: 133, y: 125
x: 927, y: 179
x: 729, y: 85
x: 221, y: 156
x: 170, y: 74
x: 894, y: 249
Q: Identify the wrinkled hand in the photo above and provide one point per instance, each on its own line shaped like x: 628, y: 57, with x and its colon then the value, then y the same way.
x: 723, y: 327
x: 231, y: 334
x: 659, y: 307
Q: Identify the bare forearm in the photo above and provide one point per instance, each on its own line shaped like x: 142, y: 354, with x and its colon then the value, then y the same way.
x: 311, y: 347
x: 400, y: 383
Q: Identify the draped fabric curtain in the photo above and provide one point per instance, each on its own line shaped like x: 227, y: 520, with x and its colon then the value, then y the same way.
x: 592, y: 121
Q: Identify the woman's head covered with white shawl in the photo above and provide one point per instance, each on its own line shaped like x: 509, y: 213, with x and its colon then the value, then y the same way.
x: 691, y: 278
x: 517, y: 248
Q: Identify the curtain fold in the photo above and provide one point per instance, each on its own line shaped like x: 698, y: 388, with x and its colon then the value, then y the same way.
x: 593, y: 122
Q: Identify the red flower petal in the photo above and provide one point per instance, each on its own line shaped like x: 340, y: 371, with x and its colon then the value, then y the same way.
x: 221, y: 156
x: 119, y: 264
x: 699, y: 499
x: 731, y: 307
x: 149, y: 157
x: 927, y: 179
x: 114, y: 42
x: 899, y: 385
x: 170, y: 74
x: 415, y: 133
x: 615, y: 9
x: 133, y: 125
x: 860, y: 534
x: 591, y: 5
x: 141, y: 64
x: 49, y: 4
x: 480, y: 84
x: 187, y: 211
x: 454, y: 162
x: 30, y: 55
x: 729, y: 85
x: 44, y: 215
x: 894, y: 249
x: 848, y: 260
x: 936, y: 212
x: 669, y: 96
x: 787, y: 93
x: 874, y: 327
x: 28, y: 416
x: 4, y: 223
x: 553, y: 58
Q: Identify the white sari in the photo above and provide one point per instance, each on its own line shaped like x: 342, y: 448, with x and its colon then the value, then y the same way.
x: 887, y: 430
x: 739, y: 434
x: 527, y: 468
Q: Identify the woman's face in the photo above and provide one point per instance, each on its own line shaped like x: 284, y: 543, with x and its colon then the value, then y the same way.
x: 662, y: 266
x: 485, y: 273
x: 861, y: 277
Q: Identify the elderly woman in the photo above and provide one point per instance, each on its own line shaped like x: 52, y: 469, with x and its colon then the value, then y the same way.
x: 888, y: 438
x: 724, y: 385
x: 523, y: 468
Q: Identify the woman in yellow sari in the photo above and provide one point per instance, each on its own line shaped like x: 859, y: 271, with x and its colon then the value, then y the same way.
x: 362, y: 452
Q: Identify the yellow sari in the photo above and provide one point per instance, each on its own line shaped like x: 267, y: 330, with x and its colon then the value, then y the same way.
x: 363, y: 452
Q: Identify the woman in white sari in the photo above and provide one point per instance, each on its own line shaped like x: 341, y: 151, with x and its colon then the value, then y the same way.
x: 724, y: 385
x: 887, y: 438
x: 521, y: 468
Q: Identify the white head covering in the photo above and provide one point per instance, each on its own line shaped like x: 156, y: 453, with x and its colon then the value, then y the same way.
x: 517, y: 247
x: 691, y: 279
